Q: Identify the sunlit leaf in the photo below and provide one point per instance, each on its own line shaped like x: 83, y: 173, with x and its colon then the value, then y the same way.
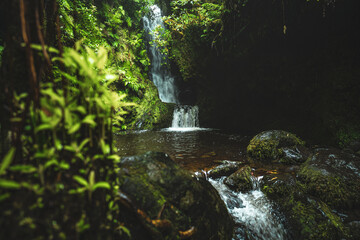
x: 76, y: 191
x: 58, y: 144
x: 81, y: 109
x: 114, y: 157
x: 104, y: 147
x: 23, y: 168
x: 50, y: 163
x: 64, y: 165
x: 101, y: 185
x: 81, y: 180
x: 7, y: 160
x: 74, y: 128
x: 89, y: 119
x: 9, y: 184
x: 125, y: 230
x: 83, y: 143
x: 102, y: 58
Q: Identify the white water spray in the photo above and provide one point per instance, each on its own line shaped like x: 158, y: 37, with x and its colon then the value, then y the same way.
x: 161, y: 77
x: 251, y: 211
x: 184, y: 117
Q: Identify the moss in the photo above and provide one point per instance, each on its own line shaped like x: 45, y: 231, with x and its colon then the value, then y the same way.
x: 151, y: 112
x: 333, y: 186
x: 241, y: 180
x: 269, y: 145
x: 308, y: 216
x: 156, y: 184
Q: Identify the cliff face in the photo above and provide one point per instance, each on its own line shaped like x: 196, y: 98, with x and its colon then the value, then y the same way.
x: 281, y: 64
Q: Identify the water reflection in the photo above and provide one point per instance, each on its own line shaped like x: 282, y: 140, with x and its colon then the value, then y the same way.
x: 194, y: 150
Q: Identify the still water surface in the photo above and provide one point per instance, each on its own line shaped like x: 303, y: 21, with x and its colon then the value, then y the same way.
x: 194, y: 150
x: 201, y: 149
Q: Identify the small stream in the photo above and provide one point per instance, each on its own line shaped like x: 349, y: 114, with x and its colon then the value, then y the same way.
x: 198, y: 150
x: 251, y: 211
x: 201, y: 149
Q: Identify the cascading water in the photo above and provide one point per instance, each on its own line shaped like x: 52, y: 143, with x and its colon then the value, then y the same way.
x: 184, y: 117
x: 252, y: 212
x: 161, y: 77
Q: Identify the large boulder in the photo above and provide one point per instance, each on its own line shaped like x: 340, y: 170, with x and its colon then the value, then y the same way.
x: 321, y: 200
x: 162, y: 201
x: 334, y: 177
x: 277, y: 146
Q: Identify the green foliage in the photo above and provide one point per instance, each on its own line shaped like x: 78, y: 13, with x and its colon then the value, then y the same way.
x: 66, y: 159
x: 198, y: 13
x: 117, y: 26
x: 1, y: 51
x: 195, y: 28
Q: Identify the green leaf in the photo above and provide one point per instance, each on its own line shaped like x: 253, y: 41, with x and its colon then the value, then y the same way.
x: 81, y: 109
x: 9, y: 184
x: 101, y: 185
x: 114, y: 157
x: 89, y: 119
x: 125, y: 230
x: 81, y: 180
x: 7, y: 160
x: 42, y: 127
x: 58, y: 144
x: 23, y: 168
x: 15, y: 119
x: 102, y: 58
x: 78, y: 190
x: 64, y: 165
x: 50, y: 163
x: 104, y: 147
x: 70, y: 148
x: 4, y: 196
x: 69, y: 77
x: 74, y: 128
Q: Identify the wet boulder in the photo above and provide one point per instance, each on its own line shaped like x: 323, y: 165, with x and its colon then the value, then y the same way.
x: 224, y: 169
x: 333, y: 176
x: 321, y: 198
x: 159, y: 200
x: 277, y: 146
x: 241, y: 180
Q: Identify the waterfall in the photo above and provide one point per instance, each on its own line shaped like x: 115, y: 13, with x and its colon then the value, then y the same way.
x: 252, y: 212
x: 161, y: 77
x: 184, y: 116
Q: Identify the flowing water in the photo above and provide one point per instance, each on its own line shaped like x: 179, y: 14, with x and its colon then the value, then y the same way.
x: 161, y: 76
x: 253, y: 213
x: 197, y: 149
x: 184, y: 116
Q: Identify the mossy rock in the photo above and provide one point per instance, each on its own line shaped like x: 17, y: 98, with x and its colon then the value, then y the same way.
x: 277, y: 146
x: 320, y: 199
x: 306, y: 217
x: 241, y: 180
x: 224, y: 169
x: 160, y: 190
x: 151, y: 112
x: 334, y: 177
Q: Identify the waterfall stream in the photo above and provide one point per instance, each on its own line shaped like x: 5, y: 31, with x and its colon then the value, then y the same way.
x: 253, y: 213
x: 161, y: 77
x: 185, y: 117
